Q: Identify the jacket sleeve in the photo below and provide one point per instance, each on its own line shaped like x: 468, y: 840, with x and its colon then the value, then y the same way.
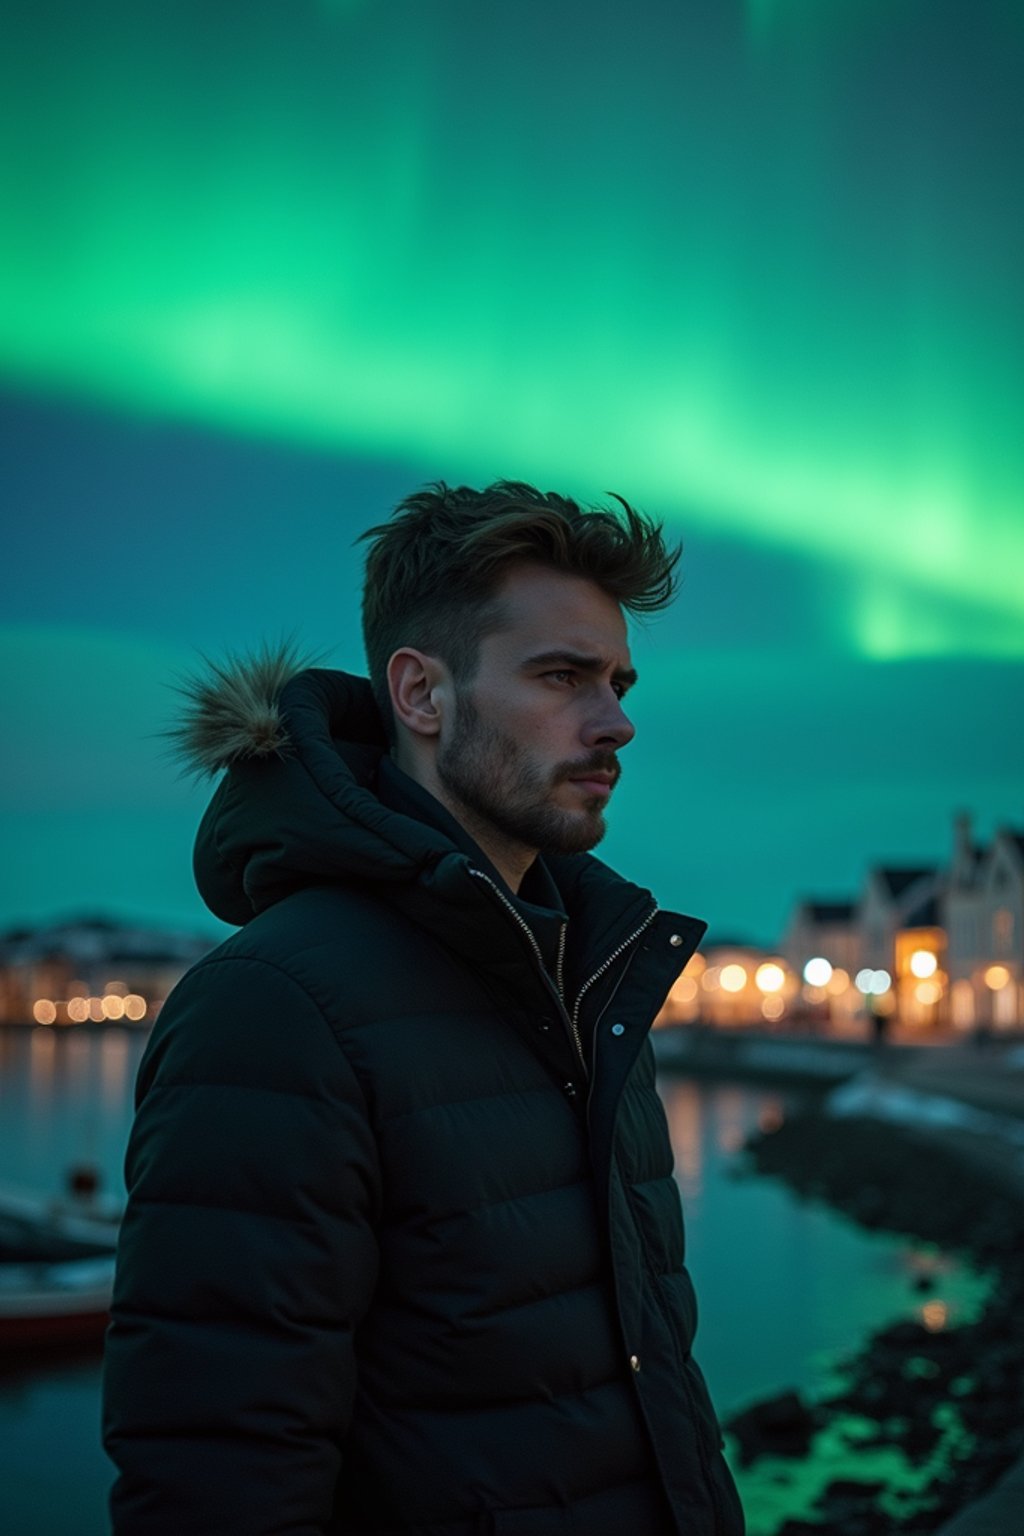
x: 246, y: 1261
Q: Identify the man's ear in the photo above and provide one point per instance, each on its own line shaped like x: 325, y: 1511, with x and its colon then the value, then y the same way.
x: 417, y: 684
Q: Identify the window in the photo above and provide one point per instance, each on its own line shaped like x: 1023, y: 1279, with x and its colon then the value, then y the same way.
x: 1002, y: 930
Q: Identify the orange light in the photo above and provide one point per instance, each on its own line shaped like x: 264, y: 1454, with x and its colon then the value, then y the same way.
x: 935, y: 1315
x: 44, y: 1011
x: 709, y: 980
x: 838, y: 982
x: 685, y: 990
x: 927, y: 992
x: 923, y: 964
x: 113, y: 1006
x: 996, y: 976
x: 773, y: 1007
x: 78, y: 1010
x: 96, y: 1010
x: 115, y: 989
x: 734, y: 978
x: 134, y: 1007
x: 770, y: 977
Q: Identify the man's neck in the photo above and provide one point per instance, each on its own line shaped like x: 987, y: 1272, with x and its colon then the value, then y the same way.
x: 511, y: 859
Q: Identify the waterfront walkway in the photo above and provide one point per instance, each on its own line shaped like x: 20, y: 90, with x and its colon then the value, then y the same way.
x: 988, y: 1078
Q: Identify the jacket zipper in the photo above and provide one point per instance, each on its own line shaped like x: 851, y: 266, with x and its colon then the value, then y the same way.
x: 648, y: 920
x: 571, y: 1019
x: 559, y: 961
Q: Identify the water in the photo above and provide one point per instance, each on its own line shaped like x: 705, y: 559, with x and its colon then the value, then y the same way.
x: 784, y: 1286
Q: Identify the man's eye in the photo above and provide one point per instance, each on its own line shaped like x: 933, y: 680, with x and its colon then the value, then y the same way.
x: 561, y: 675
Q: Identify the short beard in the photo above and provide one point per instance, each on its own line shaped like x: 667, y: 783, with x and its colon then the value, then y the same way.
x: 485, y: 772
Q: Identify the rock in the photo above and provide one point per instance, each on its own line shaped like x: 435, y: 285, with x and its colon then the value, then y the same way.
x: 779, y: 1426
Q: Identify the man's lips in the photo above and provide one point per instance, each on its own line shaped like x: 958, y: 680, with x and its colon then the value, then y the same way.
x: 595, y: 782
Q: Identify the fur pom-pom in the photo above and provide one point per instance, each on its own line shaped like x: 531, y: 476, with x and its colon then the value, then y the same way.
x: 231, y: 708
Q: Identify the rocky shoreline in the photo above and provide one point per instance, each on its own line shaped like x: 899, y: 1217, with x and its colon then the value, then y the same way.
x: 948, y: 1400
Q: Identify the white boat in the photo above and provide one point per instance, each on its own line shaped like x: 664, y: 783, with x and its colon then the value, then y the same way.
x: 64, y: 1303
x: 56, y: 1268
x: 55, y: 1228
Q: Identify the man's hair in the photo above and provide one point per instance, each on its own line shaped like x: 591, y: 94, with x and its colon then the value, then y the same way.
x: 433, y: 570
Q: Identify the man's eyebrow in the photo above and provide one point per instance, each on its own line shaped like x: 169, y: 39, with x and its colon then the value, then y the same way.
x: 582, y: 663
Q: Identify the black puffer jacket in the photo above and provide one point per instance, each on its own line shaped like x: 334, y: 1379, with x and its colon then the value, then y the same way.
x: 393, y: 1260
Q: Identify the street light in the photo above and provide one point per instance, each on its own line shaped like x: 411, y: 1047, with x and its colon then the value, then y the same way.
x: 817, y: 972
x: 874, y: 982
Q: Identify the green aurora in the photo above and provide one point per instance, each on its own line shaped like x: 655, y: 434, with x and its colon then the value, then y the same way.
x: 758, y: 265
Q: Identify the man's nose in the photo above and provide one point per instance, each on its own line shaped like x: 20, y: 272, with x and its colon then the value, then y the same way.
x: 610, y: 726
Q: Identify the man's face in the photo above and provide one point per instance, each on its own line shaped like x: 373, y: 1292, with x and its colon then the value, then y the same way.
x: 532, y: 752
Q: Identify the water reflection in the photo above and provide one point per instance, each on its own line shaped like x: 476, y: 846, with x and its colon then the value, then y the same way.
x: 67, y: 1099
x: 113, y: 1055
x: 786, y: 1286
x: 43, y: 1048
x: 684, y: 1108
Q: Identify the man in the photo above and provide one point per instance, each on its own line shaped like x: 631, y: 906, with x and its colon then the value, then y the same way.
x: 403, y: 1250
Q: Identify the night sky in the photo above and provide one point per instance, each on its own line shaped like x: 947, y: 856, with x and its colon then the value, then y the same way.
x: 267, y: 267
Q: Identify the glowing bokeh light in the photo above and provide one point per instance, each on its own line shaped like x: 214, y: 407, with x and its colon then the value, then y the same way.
x: 770, y: 977
x: 923, y: 964
x: 134, y: 1007
x: 733, y: 978
x: 44, y: 1011
x: 935, y: 1315
x: 996, y: 977
x: 78, y: 1010
x: 817, y: 972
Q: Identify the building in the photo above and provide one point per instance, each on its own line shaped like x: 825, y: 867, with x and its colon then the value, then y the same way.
x: 984, y: 921
x: 92, y: 969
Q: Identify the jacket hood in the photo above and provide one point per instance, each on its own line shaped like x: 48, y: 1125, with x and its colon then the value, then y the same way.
x: 297, y: 806
x: 300, y: 746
